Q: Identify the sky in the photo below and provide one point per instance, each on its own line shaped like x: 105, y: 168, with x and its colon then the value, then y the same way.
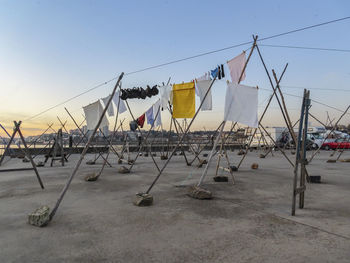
x: 51, y: 51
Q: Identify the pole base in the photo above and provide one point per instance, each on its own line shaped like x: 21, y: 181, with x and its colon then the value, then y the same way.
x: 142, y: 199
x: 40, y: 164
x: 331, y: 161
x: 201, y: 163
x: 123, y: 170
x: 40, y: 217
x: 262, y: 156
x: 163, y: 157
x: 199, y: 193
x: 220, y: 178
x: 234, y: 168
x: 316, y: 179
x: 91, y: 177
x: 91, y: 162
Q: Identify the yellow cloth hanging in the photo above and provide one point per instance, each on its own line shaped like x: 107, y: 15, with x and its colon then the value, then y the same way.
x: 184, y: 100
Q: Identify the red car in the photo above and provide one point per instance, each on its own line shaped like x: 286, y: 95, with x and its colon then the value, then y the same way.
x: 337, y: 144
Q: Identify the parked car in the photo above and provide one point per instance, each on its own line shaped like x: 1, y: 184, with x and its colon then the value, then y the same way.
x: 337, y: 144
x: 316, y: 139
x: 309, y: 145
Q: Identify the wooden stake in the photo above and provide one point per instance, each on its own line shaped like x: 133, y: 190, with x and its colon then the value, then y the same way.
x: 65, y: 188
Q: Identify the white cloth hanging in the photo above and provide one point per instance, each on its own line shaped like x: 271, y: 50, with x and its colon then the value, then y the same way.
x: 110, y: 110
x: 158, y: 120
x: 93, y: 112
x: 236, y: 66
x: 206, y: 76
x: 150, y: 116
x: 165, y: 92
x: 241, y: 104
x: 122, y: 107
x: 201, y: 89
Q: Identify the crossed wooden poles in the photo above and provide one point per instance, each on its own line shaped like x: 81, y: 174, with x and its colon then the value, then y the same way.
x: 85, y: 137
x: 181, y: 139
x: 283, y: 109
x: 26, y: 150
x: 65, y: 188
x: 332, y: 130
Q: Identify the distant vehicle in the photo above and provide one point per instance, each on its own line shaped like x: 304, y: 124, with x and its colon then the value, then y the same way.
x: 316, y: 140
x: 316, y: 135
x: 337, y: 144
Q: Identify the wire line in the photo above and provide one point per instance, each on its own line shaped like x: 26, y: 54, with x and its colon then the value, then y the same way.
x: 188, y: 58
x: 308, y: 48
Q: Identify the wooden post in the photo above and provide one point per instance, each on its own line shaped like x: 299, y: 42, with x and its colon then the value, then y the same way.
x: 28, y: 153
x: 298, y: 154
x: 303, y: 173
x: 282, y: 151
x: 333, y: 128
x: 144, y: 141
x: 65, y: 188
x: 9, y: 143
x: 84, y: 135
x: 224, y: 122
x: 181, y: 139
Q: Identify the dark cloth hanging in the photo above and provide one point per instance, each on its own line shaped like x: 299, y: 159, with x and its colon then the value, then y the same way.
x: 141, y: 120
x: 139, y: 93
x: 218, y: 72
x: 222, y: 71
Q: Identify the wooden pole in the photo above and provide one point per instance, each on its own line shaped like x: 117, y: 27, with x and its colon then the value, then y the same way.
x: 224, y: 122
x: 9, y: 143
x: 297, y: 154
x: 284, y: 106
x: 84, y: 135
x: 282, y: 151
x: 144, y: 141
x: 303, y: 161
x: 141, y: 145
x: 181, y: 139
x: 28, y: 154
x: 111, y: 141
x: 65, y: 188
x: 333, y: 128
x: 268, y: 104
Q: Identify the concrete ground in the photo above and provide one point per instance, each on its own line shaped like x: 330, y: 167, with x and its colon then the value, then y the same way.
x: 246, y: 222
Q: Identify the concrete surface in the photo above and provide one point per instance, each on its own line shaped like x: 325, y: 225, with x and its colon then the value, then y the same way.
x: 246, y: 222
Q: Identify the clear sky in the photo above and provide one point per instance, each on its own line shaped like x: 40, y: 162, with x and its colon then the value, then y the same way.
x: 53, y: 50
